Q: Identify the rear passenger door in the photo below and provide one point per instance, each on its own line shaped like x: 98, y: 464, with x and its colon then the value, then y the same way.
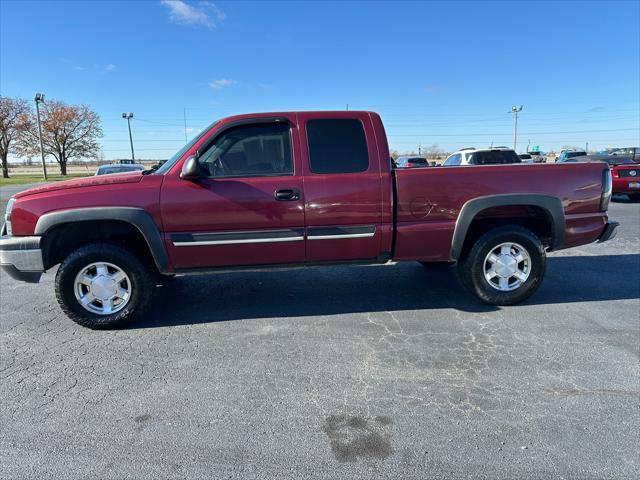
x: 342, y: 186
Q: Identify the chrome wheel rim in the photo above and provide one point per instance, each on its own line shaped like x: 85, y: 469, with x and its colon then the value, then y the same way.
x: 102, y: 288
x: 507, y: 266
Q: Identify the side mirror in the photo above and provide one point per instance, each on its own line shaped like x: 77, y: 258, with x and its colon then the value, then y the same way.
x: 190, y: 168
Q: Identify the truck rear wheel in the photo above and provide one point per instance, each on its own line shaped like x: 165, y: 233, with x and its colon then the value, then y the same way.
x: 505, y: 266
x: 103, y: 286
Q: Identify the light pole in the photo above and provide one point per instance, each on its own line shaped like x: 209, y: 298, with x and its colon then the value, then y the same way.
x: 515, y: 110
x: 39, y: 99
x: 129, y: 116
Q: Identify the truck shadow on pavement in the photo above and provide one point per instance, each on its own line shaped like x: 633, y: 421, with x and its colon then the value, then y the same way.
x: 343, y: 290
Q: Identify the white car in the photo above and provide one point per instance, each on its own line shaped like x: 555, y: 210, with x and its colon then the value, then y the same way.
x: 482, y: 156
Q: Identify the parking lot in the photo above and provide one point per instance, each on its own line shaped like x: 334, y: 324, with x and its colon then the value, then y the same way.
x: 356, y: 372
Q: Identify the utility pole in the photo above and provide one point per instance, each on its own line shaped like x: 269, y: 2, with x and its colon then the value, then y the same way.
x: 419, y: 149
x: 129, y: 116
x: 39, y: 99
x: 185, y: 125
x: 586, y: 148
x: 515, y: 110
x: 347, y: 107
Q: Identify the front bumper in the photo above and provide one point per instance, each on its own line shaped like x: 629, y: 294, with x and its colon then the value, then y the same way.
x: 21, y: 257
x: 609, y: 232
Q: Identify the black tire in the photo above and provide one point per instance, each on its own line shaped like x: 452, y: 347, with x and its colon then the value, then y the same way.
x: 140, y: 277
x: 471, y: 268
x: 438, y: 266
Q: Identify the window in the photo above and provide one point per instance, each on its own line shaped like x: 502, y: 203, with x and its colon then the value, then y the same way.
x: 337, y: 146
x: 249, y: 151
x: 453, y: 160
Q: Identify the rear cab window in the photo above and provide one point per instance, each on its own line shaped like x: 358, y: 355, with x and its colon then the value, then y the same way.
x: 337, y: 146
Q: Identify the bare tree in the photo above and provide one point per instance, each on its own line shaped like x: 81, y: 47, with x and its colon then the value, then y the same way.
x: 433, y: 151
x: 14, y: 118
x: 68, y: 132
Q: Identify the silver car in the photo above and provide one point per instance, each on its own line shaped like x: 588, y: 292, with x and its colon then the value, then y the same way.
x: 119, y: 168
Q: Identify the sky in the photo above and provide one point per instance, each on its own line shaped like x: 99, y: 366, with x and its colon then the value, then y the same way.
x: 438, y: 73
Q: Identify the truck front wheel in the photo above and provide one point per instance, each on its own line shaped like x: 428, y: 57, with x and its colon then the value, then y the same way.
x: 505, y: 266
x: 102, y: 286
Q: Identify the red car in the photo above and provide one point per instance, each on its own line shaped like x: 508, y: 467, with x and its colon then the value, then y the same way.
x: 289, y: 189
x: 626, y: 178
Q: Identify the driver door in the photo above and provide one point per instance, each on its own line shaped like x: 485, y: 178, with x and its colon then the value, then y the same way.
x: 246, y: 209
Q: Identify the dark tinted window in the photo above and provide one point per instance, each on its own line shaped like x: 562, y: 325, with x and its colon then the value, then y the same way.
x: 575, y: 154
x: 337, y: 146
x: 494, y: 157
x: 249, y: 151
x: 418, y: 160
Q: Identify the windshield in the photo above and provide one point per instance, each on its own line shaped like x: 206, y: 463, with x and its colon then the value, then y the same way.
x: 575, y: 154
x: 166, y: 166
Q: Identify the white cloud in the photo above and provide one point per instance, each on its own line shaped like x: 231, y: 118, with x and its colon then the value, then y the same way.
x: 221, y: 83
x: 78, y: 67
x: 202, y: 13
x: 110, y: 67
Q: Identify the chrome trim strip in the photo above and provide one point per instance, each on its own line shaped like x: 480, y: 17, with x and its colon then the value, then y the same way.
x: 271, y: 236
x: 341, y: 232
x: 233, y: 242
x: 340, y: 236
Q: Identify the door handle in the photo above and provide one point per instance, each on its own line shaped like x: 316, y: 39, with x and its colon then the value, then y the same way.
x: 287, y: 195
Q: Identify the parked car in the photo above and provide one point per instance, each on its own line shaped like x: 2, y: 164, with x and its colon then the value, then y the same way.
x: 526, y: 158
x: 404, y: 161
x: 119, y: 168
x: 625, y: 172
x: 538, y: 157
x: 631, y: 153
x: 297, y: 189
x: 482, y: 156
x: 571, y: 155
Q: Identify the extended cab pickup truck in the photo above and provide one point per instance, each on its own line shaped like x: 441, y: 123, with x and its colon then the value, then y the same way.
x: 289, y: 189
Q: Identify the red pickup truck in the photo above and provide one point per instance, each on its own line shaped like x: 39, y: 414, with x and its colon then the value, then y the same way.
x: 289, y: 189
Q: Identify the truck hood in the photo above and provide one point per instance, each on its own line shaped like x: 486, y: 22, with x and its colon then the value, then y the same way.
x: 133, y: 177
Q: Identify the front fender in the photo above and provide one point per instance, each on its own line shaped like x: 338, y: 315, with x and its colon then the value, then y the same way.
x: 137, y: 217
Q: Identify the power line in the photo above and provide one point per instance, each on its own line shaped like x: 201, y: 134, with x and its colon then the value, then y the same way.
x: 504, y: 134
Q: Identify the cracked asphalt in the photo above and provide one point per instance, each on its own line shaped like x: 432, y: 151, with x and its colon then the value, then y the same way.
x: 337, y: 373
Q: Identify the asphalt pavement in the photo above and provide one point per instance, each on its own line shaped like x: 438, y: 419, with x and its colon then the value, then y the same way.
x: 336, y: 373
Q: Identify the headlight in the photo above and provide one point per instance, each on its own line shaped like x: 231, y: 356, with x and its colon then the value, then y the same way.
x: 7, y: 215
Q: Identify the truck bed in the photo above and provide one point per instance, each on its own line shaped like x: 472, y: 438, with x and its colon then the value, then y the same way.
x: 429, y: 201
